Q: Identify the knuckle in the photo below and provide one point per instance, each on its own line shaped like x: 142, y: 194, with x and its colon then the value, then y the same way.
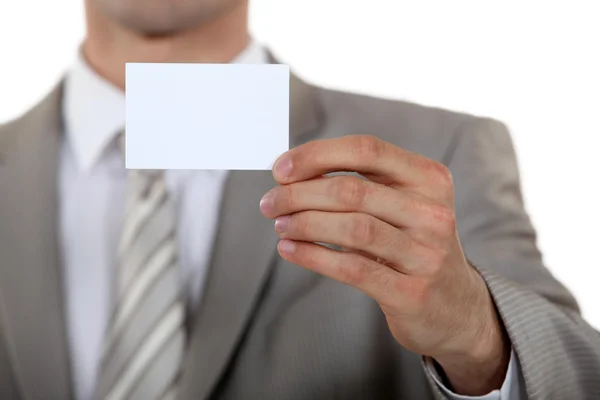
x: 446, y: 216
x: 368, y: 148
x: 362, y: 231
x: 354, y: 273
x: 443, y: 175
x: 433, y: 260
x: 384, y: 280
x: 439, y: 173
x: 350, y: 192
x: 289, y: 196
x: 443, y: 219
x: 447, y: 225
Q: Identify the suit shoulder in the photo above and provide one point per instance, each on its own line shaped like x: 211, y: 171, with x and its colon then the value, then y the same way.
x: 45, y: 113
x: 9, y: 132
x: 427, y: 130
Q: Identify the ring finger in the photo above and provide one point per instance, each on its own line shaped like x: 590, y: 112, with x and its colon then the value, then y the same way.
x: 354, y: 231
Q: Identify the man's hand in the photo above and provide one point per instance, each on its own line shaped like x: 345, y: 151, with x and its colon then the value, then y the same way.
x: 401, y: 245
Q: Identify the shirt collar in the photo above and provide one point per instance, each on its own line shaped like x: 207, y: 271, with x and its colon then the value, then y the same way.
x: 94, y: 109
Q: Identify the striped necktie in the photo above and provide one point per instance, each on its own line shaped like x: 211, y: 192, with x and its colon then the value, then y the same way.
x: 145, y: 339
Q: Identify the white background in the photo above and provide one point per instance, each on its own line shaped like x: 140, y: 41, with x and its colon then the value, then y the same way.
x: 533, y: 64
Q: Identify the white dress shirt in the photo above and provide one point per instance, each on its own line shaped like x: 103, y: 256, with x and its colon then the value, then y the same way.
x: 92, y: 183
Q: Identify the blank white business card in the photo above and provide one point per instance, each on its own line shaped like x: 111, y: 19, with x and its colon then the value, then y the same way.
x: 206, y: 116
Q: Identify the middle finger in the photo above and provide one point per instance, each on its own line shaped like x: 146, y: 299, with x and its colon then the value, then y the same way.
x: 397, y: 207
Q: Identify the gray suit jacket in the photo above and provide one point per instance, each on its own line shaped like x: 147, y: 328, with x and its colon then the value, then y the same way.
x: 266, y: 329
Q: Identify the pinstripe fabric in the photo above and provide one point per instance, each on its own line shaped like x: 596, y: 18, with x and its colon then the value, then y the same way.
x: 145, y: 341
x: 541, y: 334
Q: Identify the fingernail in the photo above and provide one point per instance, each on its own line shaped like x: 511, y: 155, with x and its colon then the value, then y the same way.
x: 267, y: 203
x: 283, y: 167
x: 282, y: 223
x: 287, y: 246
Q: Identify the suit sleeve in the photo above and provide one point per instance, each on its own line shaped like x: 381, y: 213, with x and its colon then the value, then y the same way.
x: 512, y: 388
x: 557, y: 351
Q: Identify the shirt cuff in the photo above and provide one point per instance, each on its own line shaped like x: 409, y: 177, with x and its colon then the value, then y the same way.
x: 510, y: 389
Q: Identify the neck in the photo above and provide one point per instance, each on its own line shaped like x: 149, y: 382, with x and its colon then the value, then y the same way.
x: 108, y: 45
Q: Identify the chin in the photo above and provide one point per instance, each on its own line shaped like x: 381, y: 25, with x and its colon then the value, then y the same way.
x: 164, y: 17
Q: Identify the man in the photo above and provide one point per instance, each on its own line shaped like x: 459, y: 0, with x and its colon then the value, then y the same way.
x: 120, y: 284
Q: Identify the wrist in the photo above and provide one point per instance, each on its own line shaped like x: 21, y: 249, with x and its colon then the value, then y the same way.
x: 482, y: 367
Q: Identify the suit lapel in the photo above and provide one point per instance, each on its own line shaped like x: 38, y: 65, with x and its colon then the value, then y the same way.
x: 30, y: 278
x: 30, y: 281
x: 244, y: 249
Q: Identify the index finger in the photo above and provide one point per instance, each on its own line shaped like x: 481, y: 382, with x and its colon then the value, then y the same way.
x: 374, y: 158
